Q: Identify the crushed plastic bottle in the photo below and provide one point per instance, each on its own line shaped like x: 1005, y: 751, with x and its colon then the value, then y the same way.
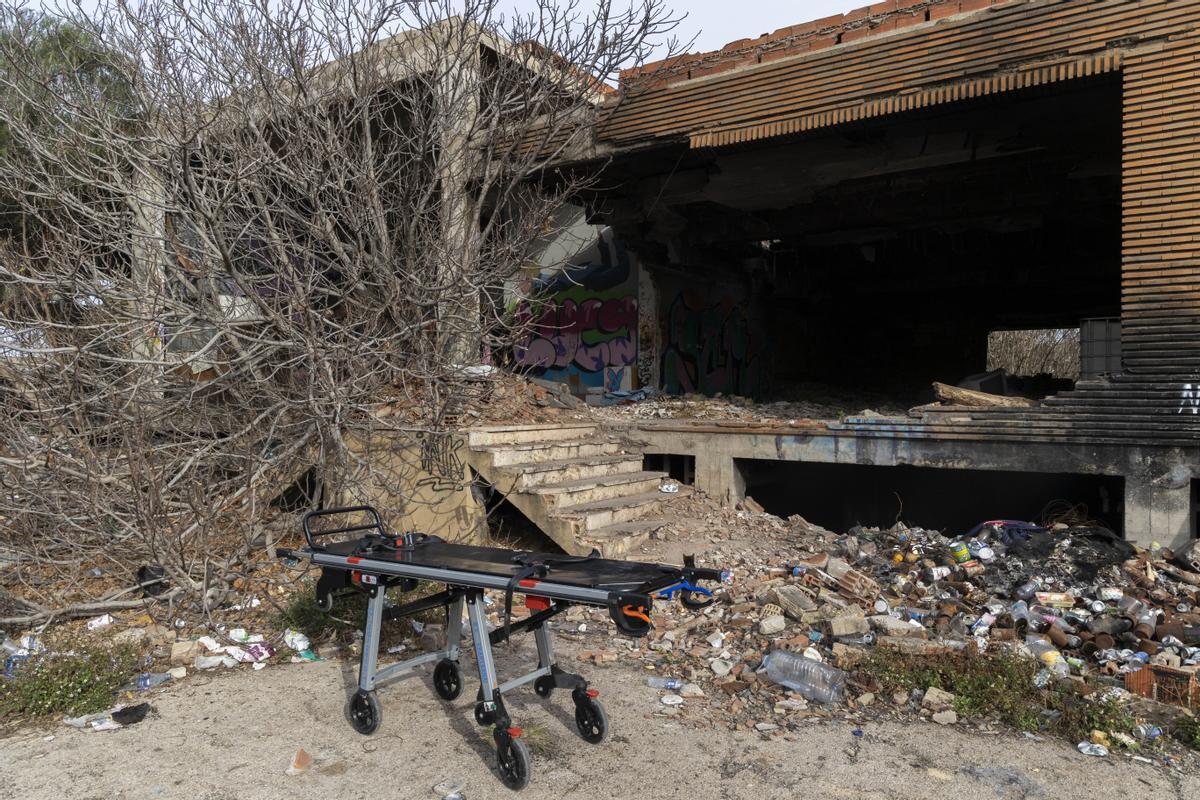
x: 147, y: 680
x: 673, y: 684
x: 1092, y: 749
x: 814, y: 681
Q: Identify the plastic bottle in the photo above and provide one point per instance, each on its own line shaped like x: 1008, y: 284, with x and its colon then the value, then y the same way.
x: 1020, y: 615
x: 673, y: 684
x: 860, y: 639
x: 815, y: 681
x: 1048, y: 655
x: 148, y: 680
x: 1027, y: 590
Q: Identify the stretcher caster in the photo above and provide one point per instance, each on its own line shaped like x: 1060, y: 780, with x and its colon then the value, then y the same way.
x: 544, y: 685
x: 483, y: 717
x: 447, y: 679
x: 513, y: 763
x: 591, y: 721
x: 364, y: 712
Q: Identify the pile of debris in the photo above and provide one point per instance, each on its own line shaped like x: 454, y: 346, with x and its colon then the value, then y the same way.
x: 731, y: 409
x: 808, y: 606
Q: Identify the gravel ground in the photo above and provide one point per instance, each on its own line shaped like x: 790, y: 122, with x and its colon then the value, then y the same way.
x: 232, y: 735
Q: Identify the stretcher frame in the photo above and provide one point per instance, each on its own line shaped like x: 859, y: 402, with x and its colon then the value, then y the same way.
x: 375, y: 562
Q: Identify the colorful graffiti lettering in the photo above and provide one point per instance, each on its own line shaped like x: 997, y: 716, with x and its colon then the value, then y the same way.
x: 587, y: 334
x: 709, y: 348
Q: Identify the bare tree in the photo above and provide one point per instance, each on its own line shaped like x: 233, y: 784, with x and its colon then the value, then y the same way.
x: 1053, y: 352
x: 249, y: 239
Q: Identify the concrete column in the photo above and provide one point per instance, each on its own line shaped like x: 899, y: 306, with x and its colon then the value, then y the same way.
x: 1158, y: 512
x: 719, y: 477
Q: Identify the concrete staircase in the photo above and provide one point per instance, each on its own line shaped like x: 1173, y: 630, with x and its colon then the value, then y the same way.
x: 583, y: 487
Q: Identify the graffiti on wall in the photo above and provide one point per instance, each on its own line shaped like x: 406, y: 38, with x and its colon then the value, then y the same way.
x: 709, y: 347
x: 1190, y: 402
x: 586, y: 332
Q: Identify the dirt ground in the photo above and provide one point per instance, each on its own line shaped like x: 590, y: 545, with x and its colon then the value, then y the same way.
x: 232, y: 735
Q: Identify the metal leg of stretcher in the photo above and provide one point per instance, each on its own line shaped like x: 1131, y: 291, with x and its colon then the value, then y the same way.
x: 512, y: 756
x: 364, y: 711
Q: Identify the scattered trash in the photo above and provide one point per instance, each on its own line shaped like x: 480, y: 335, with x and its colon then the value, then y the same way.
x: 669, y: 488
x: 240, y: 636
x: 110, y: 720
x: 301, y: 763
x: 147, y: 680
x: 151, y: 579
x: 298, y: 641
x: 1092, y: 749
x: 673, y: 684
x: 811, y: 679
x: 448, y: 788
x: 671, y: 700
x: 101, y: 621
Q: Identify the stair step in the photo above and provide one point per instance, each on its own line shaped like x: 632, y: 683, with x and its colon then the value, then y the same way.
x: 523, y: 434
x: 605, y: 513
x: 539, y: 452
x: 585, y: 490
x: 618, y: 541
x: 571, y: 469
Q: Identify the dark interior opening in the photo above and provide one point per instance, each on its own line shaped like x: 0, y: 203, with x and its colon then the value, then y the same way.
x: 878, y: 256
x: 1195, y: 509
x: 681, y: 468
x: 840, y: 496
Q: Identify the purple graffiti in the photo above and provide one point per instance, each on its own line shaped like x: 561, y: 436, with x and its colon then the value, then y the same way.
x: 558, y: 335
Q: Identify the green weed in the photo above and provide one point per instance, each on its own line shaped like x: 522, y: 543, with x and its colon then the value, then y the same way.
x: 78, y: 681
x: 1001, y: 686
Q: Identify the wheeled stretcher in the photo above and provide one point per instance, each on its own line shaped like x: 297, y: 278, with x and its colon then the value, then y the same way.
x: 374, y: 561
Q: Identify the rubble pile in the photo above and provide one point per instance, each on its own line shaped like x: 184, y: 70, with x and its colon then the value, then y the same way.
x: 730, y: 409
x: 807, y: 606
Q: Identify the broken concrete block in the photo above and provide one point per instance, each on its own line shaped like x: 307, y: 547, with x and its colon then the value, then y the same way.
x: 183, y: 653
x: 769, y: 626
x: 937, y: 700
x: 794, y: 601
x: 887, y: 625
x: 945, y: 718
x: 849, y: 625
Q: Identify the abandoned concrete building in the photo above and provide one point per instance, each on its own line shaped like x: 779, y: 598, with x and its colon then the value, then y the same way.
x: 857, y: 202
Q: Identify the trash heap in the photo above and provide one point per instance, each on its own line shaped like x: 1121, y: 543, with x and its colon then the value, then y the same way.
x: 802, y: 614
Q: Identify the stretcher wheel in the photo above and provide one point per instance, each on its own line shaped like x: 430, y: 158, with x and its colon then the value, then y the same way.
x: 591, y: 721
x: 512, y: 760
x: 484, y: 717
x: 364, y: 713
x: 447, y: 679
x: 544, y: 685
